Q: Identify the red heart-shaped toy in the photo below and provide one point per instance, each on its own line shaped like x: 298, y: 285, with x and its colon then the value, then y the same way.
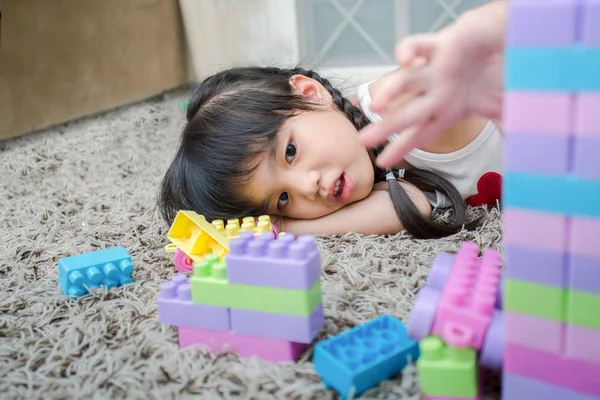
x: 489, y: 190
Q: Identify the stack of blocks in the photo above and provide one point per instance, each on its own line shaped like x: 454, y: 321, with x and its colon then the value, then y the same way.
x: 263, y: 299
x: 457, y: 319
x: 552, y: 199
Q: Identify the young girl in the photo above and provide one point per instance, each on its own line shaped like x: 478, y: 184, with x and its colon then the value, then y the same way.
x: 284, y: 142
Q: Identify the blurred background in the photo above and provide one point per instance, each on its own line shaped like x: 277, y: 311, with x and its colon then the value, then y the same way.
x: 64, y: 59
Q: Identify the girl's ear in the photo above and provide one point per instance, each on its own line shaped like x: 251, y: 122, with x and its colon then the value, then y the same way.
x: 311, y: 90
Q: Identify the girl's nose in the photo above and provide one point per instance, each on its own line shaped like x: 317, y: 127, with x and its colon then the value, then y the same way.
x: 308, y: 184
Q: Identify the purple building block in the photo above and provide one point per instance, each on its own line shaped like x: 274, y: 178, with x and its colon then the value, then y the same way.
x: 589, y: 33
x: 278, y: 326
x: 542, y: 113
x: 423, y: 313
x: 587, y: 117
x: 537, y: 230
x: 584, y: 274
x: 281, y: 263
x: 175, y: 307
x: 586, y: 158
x: 492, y: 351
x: 536, y: 266
x: 537, y: 154
x: 529, y: 23
x: 516, y: 387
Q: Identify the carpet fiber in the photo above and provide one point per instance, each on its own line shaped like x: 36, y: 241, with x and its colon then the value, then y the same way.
x: 92, y: 184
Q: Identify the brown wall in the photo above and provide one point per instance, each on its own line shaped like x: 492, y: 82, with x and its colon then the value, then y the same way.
x: 63, y: 59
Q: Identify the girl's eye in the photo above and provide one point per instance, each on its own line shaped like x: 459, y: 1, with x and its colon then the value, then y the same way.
x: 290, y: 151
x: 282, y: 201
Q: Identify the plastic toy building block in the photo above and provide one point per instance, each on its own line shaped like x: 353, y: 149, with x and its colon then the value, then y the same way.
x: 586, y: 163
x: 534, y: 332
x: 362, y: 357
x: 245, y: 346
x: 541, y: 113
x: 195, y: 236
x: 175, y: 307
x: 110, y: 268
x: 584, y: 234
x: 587, y: 117
x: 536, y: 266
x: 232, y: 228
x: 554, y: 194
x: 552, y: 69
x: 534, y: 299
x: 575, y: 375
x: 492, y: 351
x: 278, y: 326
x: 582, y: 309
x: 282, y: 263
x: 468, y: 300
x: 584, y: 274
x: 582, y: 344
x: 423, y: 313
x: 529, y: 20
x: 210, y: 287
x: 535, y: 230
x: 446, y: 370
x: 449, y: 398
x: 515, y: 387
x: 589, y: 29
x: 551, y: 155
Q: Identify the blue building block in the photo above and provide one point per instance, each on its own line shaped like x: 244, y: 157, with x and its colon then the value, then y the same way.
x: 110, y: 267
x: 362, y: 357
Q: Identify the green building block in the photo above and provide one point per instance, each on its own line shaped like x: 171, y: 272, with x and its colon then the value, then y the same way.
x: 582, y: 309
x: 447, y: 371
x: 534, y: 299
x: 210, y: 287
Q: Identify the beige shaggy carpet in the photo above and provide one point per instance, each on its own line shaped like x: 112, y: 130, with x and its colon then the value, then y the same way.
x: 92, y: 184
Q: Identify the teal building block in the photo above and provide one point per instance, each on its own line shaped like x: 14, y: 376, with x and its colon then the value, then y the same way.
x: 110, y: 268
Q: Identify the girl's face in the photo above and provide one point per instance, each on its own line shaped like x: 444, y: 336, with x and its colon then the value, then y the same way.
x: 317, y: 165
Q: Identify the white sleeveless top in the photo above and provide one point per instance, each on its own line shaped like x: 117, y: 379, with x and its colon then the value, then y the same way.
x: 462, y: 168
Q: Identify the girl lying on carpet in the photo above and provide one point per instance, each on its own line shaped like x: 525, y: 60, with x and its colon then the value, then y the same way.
x: 285, y: 142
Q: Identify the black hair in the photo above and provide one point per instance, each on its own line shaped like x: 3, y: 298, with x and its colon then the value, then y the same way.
x: 233, y: 117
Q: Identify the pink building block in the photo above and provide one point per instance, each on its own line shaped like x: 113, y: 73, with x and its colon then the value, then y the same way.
x: 274, y: 350
x: 533, y: 332
x: 467, y: 303
x: 538, y: 230
x: 537, y: 113
x: 585, y: 234
x: 587, y: 117
x: 571, y: 374
x: 582, y: 344
x: 282, y: 263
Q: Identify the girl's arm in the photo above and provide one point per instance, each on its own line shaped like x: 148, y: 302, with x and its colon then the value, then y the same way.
x: 374, y: 215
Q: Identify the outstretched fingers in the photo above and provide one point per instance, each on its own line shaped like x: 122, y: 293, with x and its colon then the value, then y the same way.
x: 395, y: 84
x: 415, y: 46
x: 414, y: 113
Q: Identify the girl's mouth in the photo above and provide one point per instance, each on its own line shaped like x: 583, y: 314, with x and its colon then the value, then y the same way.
x: 342, y: 189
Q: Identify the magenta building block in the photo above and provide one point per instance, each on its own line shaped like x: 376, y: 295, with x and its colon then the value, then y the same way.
x: 538, y: 230
x: 584, y: 274
x: 468, y: 301
x: 492, y: 351
x: 281, y: 263
x: 423, y: 313
x: 589, y: 33
x: 586, y: 158
x: 536, y: 266
x: 529, y: 21
x: 278, y: 326
x: 245, y: 346
x: 175, y: 307
x: 537, y: 154
x: 579, y: 376
x: 547, y: 114
x: 534, y: 332
x: 585, y: 237
x: 516, y: 387
x: 582, y: 344
x: 587, y: 117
